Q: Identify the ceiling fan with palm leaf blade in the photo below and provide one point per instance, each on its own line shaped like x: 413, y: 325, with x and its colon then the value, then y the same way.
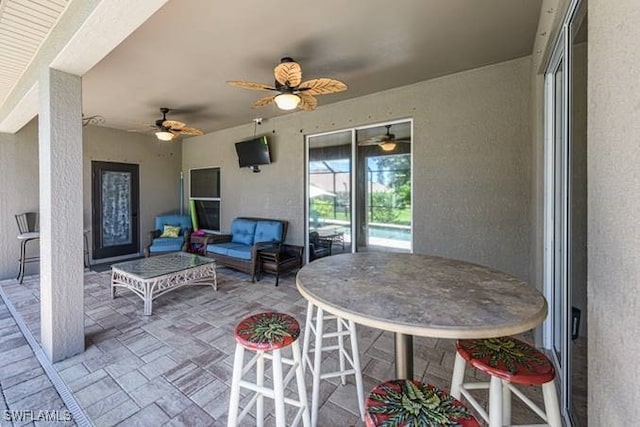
x: 168, y: 130
x: 386, y: 142
x: 292, y: 91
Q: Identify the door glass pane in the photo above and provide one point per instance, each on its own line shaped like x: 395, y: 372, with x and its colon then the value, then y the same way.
x: 116, y: 226
x: 559, y: 217
x: 329, y: 194
x: 578, y: 229
x: 383, y: 188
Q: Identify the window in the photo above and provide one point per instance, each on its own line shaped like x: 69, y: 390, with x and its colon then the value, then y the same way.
x: 204, y: 198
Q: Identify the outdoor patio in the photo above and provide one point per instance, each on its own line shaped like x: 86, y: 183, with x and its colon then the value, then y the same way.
x: 174, y: 367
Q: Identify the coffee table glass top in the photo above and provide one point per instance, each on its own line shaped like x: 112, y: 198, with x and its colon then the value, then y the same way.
x: 147, y: 268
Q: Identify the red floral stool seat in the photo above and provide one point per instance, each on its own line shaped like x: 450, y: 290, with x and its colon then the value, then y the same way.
x: 411, y: 403
x: 508, y: 361
x: 267, y: 334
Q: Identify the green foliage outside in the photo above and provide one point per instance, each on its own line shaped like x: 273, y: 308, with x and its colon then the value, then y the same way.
x: 387, y: 207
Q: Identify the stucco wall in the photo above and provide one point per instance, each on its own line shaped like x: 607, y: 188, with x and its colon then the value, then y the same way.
x: 159, y: 179
x: 18, y: 193
x: 159, y: 169
x: 614, y: 206
x: 472, y: 158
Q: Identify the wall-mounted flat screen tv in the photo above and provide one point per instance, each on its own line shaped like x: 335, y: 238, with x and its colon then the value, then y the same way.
x: 253, y: 152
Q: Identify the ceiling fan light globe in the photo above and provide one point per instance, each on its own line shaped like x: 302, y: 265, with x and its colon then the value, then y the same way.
x: 287, y: 101
x: 164, y: 135
x: 388, y: 146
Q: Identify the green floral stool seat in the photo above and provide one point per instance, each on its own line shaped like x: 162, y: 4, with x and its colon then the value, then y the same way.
x: 508, y: 361
x: 268, y: 333
x: 411, y: 403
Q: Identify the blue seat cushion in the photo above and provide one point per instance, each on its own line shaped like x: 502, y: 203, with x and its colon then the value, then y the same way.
x: 159, y: 241
x: 166, y: 247
x: 236, y: 250
x: 268, y: 231
x: 242, y: 231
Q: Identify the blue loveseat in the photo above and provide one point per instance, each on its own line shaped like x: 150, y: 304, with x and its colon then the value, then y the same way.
x: 163, y: 244
x: 239, y: 249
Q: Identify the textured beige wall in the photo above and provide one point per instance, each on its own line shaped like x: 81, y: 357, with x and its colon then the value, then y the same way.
x: 19, y: 191
x: 159, y: 169
x: 614, y: 212
x: 472, y: 184
x: 159, y: 179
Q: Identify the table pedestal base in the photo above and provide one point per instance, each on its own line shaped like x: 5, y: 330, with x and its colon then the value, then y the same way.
x: 404, y: 356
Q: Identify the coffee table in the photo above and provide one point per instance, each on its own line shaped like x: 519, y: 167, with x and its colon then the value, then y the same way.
x: 151, y: 277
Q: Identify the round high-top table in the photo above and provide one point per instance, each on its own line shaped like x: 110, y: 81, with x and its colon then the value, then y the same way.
x: 421, y: 295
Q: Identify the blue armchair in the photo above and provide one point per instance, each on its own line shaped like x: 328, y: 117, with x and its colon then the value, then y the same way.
x: 167, y: 237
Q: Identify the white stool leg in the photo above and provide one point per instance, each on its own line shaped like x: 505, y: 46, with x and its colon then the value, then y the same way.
x: 343, y: 377
x: 458, y: 376
x: 317, y: 359
x: 506, y: 404
x: 307, y: 336
x: 234, y: 399
x: 495, y: 402
x: 302, y: 387
x: 355, y: 354
x: 278, y: 388
x: 260, y: 383
x: 551, y: 406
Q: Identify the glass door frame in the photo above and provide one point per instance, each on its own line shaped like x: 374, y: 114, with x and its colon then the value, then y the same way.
x: 557, y: 169
x: 352, y: 179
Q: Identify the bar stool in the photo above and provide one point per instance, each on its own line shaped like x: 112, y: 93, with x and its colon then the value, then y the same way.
x: 263, y: 333
x: 344, y: 329
x: 405, y: 402
x: 508, y: 361
x: 29, y: 230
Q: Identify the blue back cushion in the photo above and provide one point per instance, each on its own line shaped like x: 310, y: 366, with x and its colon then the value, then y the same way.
x: 268, y: 231
x: 242, y: 231
x: 182, y: 221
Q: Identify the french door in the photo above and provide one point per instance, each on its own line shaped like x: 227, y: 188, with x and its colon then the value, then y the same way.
x: 566, y: 211
x: 115, y: 205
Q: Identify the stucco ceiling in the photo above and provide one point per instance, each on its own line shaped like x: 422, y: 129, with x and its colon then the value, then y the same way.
x: 182, y: 56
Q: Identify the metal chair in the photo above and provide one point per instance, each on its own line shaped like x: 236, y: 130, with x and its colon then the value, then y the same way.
x: 29, y: 230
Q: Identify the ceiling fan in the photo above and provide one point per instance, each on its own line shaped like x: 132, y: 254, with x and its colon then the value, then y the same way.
x: 292, y: 91
x: 167, y: 130
x: 386, y: 142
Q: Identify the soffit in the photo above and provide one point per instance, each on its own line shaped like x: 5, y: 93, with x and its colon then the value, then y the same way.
x: 24, y: 26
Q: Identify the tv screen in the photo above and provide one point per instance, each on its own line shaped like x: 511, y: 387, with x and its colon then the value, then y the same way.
x: 253, y: 152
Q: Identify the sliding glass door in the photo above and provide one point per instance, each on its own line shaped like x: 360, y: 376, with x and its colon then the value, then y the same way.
x: 329, y: 207
x: 566, y: 211
x: 358, y: 190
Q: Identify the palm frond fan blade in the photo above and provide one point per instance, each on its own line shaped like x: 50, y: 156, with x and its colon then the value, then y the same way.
x: 263, y: 101
x: 250, y: 85
x: 288, y: 73
x: 322, y: 86
x: 190, y: 131
x: 307, y: 102
x: 173, y: 124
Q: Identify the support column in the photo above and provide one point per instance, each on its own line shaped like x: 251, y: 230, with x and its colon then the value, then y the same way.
x: 61, y: 220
